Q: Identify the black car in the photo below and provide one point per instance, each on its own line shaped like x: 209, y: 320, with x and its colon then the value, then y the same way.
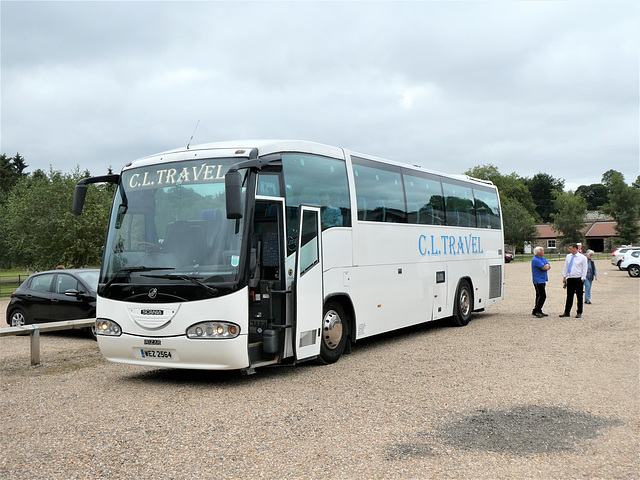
x: 54, y: 296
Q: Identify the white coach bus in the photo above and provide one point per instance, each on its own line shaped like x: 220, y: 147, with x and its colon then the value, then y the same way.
x: 243, y: 254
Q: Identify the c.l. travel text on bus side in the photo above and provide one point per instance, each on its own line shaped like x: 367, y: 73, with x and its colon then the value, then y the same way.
x: 451, y: 245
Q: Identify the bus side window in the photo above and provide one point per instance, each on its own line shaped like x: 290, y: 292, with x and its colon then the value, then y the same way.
x: 459, y: 204
x: 487, y: 207
x: 379, y: 191
x: 424, y: 198
x: 268, y: 184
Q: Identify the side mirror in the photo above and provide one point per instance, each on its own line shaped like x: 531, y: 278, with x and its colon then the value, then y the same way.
x: 233, y: 194
x: 79, y: 195
x: 80, y: 192
x: 72, y: 292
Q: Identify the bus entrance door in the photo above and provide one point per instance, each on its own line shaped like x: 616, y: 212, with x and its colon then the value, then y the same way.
x: 308, y: 285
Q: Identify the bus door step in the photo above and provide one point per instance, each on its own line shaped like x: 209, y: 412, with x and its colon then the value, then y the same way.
x: 257, y: 356
x: 265, y: 363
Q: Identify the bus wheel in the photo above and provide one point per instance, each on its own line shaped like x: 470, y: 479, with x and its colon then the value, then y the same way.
x: 334, y: 333
x: 463, y: 305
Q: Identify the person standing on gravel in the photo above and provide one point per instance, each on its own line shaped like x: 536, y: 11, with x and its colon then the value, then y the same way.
x: 591, y: 276
x: 573, y: 276
x: 539, y: 268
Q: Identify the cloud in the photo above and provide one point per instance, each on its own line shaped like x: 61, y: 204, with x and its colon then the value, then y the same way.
x: 526, y: 86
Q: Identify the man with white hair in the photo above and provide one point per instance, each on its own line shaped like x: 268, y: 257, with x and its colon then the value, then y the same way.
x: 539, y: 268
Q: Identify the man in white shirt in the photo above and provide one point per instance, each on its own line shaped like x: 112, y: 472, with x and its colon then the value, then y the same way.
x: 573, y: 275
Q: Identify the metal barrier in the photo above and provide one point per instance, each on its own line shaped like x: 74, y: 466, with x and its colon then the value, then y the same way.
x: 34, y: 332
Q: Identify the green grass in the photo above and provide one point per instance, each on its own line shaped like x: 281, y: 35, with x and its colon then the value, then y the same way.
x: 9, y: 280
x: 526, y: 257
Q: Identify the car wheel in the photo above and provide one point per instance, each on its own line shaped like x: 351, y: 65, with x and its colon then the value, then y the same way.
x: 619, y: 262
x: 634, y: 270
x: 91, y: 332
x: 17, y: 318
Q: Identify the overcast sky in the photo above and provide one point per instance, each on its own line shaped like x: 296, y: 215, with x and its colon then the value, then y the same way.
x: 528, y: 86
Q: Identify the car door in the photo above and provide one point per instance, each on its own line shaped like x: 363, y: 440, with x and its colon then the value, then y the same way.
x: 37, y: 298
x: 66, y: 307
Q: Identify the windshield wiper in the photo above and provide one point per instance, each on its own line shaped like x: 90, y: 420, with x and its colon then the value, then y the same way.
x: 137, y: 268
x: 187, y: 278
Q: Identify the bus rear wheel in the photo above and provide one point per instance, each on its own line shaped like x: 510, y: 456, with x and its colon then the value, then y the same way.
x: 463, y: 305
x: 334, y: 333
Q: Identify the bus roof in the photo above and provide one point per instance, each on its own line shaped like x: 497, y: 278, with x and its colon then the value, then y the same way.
x: 242, y: 148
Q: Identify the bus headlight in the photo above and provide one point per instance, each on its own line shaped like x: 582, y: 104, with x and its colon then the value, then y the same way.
x: 107, y: 327
x: 207, y: 330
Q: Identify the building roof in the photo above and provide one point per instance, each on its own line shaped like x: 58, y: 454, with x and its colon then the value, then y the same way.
x: 601, y: 229
x: 545, y: 231
x: 598, y: 229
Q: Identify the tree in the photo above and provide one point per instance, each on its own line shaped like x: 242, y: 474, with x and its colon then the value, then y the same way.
x: 541, y: 188
x: 607, y: 177
x: 11, y: 170
x: 636, y: 184
x: 595, y: 195
x: 40, y: 232
x: 569, y: 219
x: 519, y: 225
x: 623, y: 206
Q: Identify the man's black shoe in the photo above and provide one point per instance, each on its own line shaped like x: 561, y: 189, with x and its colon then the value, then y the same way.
x: 579, y: 315
x: 564, y: 315
x: 539, y: 315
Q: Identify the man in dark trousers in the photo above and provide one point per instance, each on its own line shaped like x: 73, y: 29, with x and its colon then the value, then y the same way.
x: 539, y: 268
x: 573, y: 275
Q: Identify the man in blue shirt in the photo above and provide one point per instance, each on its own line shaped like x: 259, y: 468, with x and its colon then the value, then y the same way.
x: 539, y: 268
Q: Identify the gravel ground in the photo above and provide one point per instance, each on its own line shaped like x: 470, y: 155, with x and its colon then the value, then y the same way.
x: 508, y: 396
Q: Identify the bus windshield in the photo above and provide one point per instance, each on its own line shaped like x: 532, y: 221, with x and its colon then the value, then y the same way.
x: 169, y: 226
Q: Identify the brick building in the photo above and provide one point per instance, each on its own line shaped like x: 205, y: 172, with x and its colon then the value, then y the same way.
x: 600, y: 236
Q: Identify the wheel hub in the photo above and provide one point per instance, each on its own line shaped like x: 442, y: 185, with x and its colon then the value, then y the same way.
x: 464, y: 302
x: 17, y: 319
x: 332, y: 329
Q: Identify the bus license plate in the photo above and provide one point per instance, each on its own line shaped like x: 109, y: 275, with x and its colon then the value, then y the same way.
x: 156, y: 354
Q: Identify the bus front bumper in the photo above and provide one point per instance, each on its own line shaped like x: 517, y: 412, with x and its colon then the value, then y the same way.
x: 176, y: 352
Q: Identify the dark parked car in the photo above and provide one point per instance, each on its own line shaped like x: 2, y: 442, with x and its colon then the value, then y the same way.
x: 54, y: 296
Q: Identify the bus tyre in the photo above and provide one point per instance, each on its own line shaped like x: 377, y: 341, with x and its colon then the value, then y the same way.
x: 463, y: 305
x: 334, y: 333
